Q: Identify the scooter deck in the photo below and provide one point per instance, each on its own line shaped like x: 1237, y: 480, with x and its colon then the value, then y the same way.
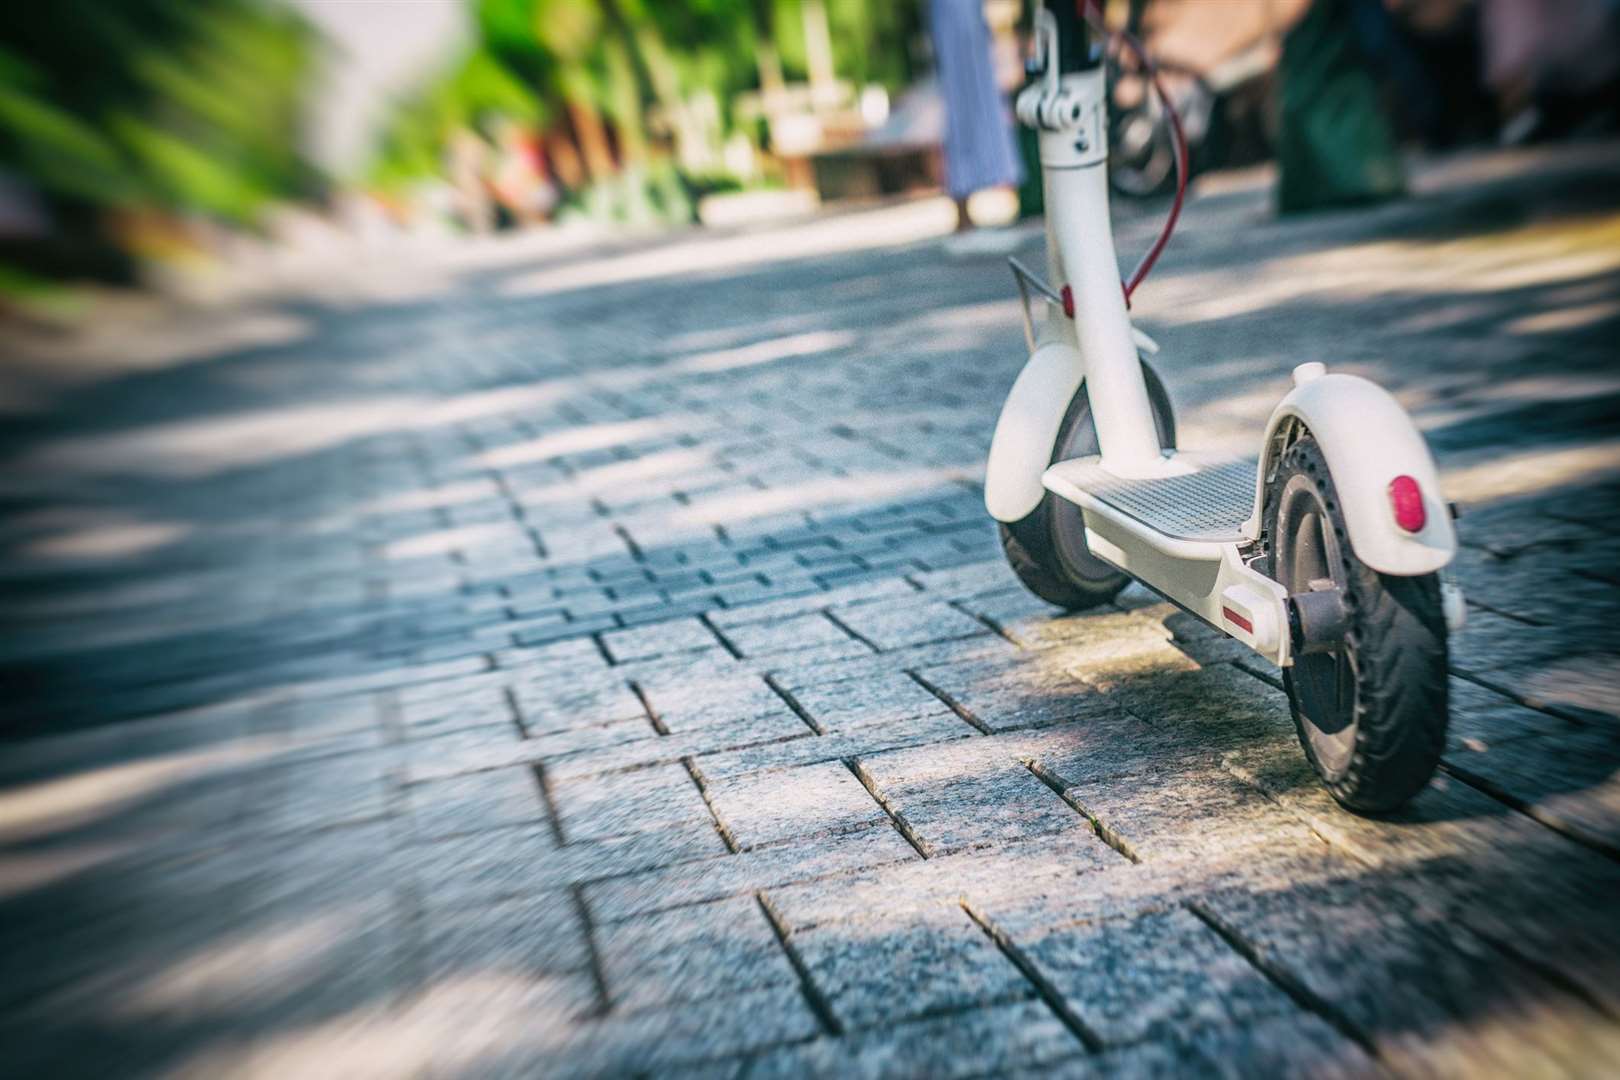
x: 1208, y: 505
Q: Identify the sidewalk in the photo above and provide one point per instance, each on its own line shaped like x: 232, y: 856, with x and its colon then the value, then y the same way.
x: 601, y: 663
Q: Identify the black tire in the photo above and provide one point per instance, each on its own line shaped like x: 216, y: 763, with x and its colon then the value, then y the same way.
x: 1371, y: 714
x: 1047, y: 547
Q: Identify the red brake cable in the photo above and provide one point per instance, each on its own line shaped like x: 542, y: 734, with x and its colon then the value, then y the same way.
x: 1092, y: 14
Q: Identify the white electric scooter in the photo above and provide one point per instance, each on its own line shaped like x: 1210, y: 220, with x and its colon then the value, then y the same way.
x: 1324, y: 557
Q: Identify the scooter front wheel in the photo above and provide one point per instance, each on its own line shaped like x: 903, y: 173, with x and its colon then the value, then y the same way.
x: 1047, y: 547
x: 1371, y: 712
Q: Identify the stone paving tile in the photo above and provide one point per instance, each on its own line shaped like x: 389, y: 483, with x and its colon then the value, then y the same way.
x: 1300, y: 1045
x: 882, y: 699
x: 1411, y: 984
x: 1481, y: 718
x: 692, y: 954
x: 873, y: 973
x: 788, y: 753
x: 661, y: 639
x: 560, y: 703
x: 767, y: 734
x: 703, y: 1031
x: 899, y: 625
x: 532, y: 936
x: 464, y: 750
x: 1488, y: 641
x: 519, y: 861
x: 1151, y: 976
x: 816, y: 600
x: 1570, y: 782
x: 581, y: 742
x: 964, y: 651
x: 965, y: 794
x: 1212, y: 709
x: 483, y: 709
x: 762, y: 732
x: 615, y: 804
x: 683, y: 703
x: 763, y: 808
x: 745, y: 873
x: 521, y: 1032
x: 1057, y: 862
x: 474, y: 802
x: 1012, y: 606
x: 974, y: 1043
x: 324, y: 794
x: 1098, y: 747
x: 1580, y: 687
x: 1023, y: 691
x: 1183, y: 815
x: 572, y: 657
x: 794, y: 634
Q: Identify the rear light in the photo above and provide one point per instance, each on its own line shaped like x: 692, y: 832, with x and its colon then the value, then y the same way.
x: 1068, y: 301
x: 1406, y: 499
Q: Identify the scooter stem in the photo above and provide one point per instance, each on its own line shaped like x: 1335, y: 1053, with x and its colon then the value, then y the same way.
x: 1074, y: 161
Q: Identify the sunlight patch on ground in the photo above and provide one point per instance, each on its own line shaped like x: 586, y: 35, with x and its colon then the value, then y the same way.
x: 274, y: 963
x: 37, y: 811
x: 764, y: 352
x: 657, y: 472
x: 1569, y: 318
x: 130, y: 335
x: 427, y: 498
x: 578, y: 440
x: 482, y: 1021
x: 486, y: 403
x: 1539, y: 254
x: 27, y: 870
x: 117, y: 539
x: 884, y: 227
x: 502, y: 534
x: 729, y: 337
x: 1534, y: 473
x: 192, y: 449
x: 732, y: 509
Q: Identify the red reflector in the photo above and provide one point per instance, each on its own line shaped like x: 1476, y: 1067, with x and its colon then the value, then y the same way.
x: 1406, y: 499
x: 1068, y: 301
x: 1233, y: 617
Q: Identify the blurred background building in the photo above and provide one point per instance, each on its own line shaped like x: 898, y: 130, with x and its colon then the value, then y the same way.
x: 167, y: 133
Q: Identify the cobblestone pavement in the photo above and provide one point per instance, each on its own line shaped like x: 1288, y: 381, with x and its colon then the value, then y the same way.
x: 600, y: 663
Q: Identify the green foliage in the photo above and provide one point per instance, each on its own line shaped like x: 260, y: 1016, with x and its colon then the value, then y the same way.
x: 59, y: 151
x: 614, y: 58
x: 187, y: 105
x: 473, y: 93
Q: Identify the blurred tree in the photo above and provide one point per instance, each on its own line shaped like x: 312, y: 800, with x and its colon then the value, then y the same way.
x: 191, y: 107
x: 477, y: 86
x: 611, y: 80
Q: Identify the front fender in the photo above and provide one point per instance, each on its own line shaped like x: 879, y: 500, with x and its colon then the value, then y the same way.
x: 1368, y: 440
x: 1021, y: 448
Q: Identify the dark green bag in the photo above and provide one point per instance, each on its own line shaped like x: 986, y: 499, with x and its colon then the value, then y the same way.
x: 1335, y: 146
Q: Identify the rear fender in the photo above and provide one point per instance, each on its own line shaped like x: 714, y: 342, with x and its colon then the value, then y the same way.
x: 1368, y: 440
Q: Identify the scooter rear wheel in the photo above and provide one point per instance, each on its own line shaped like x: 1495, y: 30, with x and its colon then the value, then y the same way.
x: 1371, y: 713
x: 1047, y: 547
